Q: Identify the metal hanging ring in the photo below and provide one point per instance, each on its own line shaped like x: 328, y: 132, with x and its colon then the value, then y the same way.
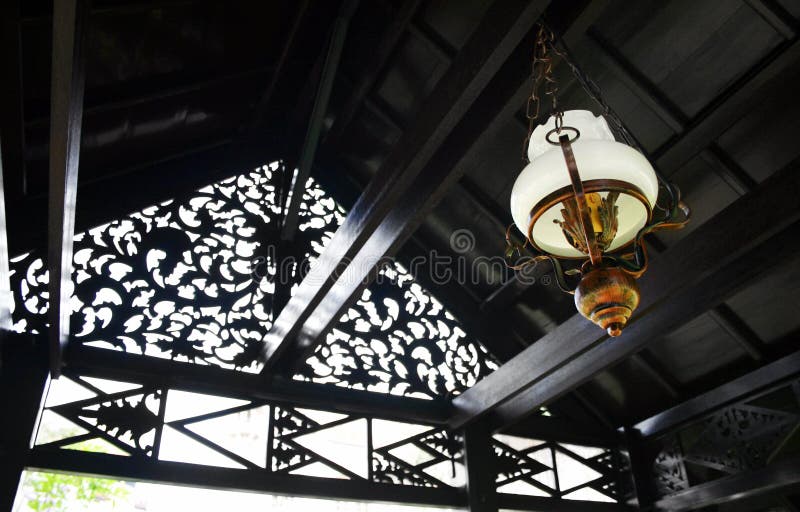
x: 558, y: 132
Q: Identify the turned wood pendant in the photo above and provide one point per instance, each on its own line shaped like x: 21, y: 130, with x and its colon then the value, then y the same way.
x: 608, y: 297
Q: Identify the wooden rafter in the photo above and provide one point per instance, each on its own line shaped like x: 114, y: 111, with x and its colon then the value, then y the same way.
x: 765, y: 378
x: 67, y: 82
x: 318, y: 113
x: 493, y: 41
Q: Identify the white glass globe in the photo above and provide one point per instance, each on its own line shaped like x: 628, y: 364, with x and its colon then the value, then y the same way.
x: 604, y: 165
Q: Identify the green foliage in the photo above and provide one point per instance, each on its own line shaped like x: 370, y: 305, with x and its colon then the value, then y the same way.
x: 59, y: 492
x: 54, y: 492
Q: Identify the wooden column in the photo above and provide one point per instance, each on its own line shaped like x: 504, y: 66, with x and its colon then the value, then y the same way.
x: 66, y: 115
x: 23, y: 383
x: 479, y: 459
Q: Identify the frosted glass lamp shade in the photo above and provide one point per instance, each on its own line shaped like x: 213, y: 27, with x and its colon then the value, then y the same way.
x: 609, y: 170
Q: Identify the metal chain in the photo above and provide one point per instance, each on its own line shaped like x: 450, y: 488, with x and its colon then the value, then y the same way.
x: 541, y: 72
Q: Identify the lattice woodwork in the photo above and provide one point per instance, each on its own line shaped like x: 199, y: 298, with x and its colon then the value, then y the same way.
x: 742, y: 437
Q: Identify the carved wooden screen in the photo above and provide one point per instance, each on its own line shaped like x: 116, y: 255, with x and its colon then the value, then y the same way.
x: 193, y: 280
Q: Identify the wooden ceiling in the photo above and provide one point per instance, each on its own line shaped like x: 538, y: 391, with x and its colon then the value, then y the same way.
x: 422, y: 136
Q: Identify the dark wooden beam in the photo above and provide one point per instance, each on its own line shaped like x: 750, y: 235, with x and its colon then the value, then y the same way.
x: 110, y: 364
x: 756, y: 382
x: 776, y: 477
x: 696, y: 274
x: 728, y: 170
x: 500, y: 32
x: 315, y: 123
x: 776, y: 15
x: 537, y: 504
x: 372, y: 70
x: 103, y: 363
x: 6, y: 298
x: 66, y: 104
x: 178, y: 473
x: 565, y: 431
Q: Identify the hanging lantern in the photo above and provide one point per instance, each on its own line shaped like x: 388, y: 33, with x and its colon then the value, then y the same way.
x: 586, y: 196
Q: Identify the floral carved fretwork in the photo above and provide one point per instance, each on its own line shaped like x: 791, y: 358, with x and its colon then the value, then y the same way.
x: 194, y: 280
x: 398, y: 338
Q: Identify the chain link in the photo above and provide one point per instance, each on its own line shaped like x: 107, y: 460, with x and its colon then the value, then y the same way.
x: 541, y: 72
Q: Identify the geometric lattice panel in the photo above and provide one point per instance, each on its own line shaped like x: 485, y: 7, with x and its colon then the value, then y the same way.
x: 540, y: 468
x: 745, y: 436
x: 161, y: 424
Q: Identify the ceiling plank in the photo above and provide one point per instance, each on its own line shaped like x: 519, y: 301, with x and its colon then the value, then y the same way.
x: 764, y: 80
x: 765, y: 378
x: 372, y: 70
x: 499, y: 33
x: 67, y: 83
x: 738, y: 329
x: 749, y: 484
x: 697, y: 270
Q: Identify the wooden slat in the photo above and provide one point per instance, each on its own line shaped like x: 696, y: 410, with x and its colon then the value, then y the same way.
x: 772, y: 479
x: 766, y: 377
x: 67, y: 82
x: 696, y: 273
x: 500, y: 32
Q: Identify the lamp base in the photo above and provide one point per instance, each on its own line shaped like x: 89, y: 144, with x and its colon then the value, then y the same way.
x: 608, y: 297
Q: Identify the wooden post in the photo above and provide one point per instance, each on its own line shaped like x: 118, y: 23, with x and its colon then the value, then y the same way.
x: 481, y: 473
x: 23, y: 385
x: 66, y: 114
